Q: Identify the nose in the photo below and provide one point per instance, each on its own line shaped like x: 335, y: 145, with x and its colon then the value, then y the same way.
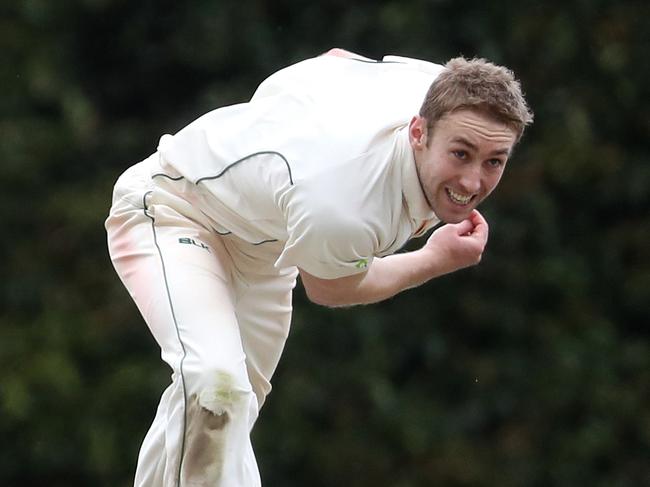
x: 470, y: 179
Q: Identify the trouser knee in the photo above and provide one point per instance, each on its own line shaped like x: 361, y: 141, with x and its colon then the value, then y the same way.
x: 219, y: 408
x: 222, y: 394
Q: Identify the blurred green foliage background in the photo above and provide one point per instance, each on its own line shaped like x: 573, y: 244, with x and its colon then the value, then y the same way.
x: 532, y: 369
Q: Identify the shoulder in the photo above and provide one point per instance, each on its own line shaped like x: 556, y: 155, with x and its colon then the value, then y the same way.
x: 414, y: 64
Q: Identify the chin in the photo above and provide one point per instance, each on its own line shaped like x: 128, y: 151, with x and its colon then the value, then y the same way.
x: 454, y: 216
x: 455, y: 219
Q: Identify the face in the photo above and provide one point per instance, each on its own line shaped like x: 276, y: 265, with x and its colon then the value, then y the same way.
x: 461, y: 161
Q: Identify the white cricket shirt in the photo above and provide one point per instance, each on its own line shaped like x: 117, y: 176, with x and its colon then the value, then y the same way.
x: 318, y: 162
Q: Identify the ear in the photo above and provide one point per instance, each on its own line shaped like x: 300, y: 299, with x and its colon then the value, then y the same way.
x: 418, y: 132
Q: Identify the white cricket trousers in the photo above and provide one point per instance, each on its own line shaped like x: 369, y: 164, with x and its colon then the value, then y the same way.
x: 220, y: 313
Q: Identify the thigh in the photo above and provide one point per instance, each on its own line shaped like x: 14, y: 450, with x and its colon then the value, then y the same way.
x: 263, y: 311
x: 179, y: 276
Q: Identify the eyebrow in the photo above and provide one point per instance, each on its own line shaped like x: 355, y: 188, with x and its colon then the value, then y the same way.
x: 474, y: 147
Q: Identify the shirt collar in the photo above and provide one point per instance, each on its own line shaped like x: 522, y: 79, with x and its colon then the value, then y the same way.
x: 416, y: 202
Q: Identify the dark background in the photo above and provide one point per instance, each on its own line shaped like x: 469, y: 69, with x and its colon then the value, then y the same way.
x: 532, y: 369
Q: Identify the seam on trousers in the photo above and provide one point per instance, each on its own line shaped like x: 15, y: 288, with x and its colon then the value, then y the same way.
x: 178, y: 335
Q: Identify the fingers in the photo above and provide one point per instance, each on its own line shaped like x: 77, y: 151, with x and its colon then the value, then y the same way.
x: 474, y: 226
x: 477, y: 218
x: 481, y: 228
x: 465, y: 227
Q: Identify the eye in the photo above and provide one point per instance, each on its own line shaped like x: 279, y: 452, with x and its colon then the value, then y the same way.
x: 495, y: 163
x: 460, y: 154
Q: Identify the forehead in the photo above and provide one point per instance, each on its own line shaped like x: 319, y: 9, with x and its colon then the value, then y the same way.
x: 475, y: 127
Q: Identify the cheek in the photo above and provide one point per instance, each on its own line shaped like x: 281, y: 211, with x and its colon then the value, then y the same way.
x: 448, y: 169
x: 492, y: 181
x: 438, y: 164
x: 427, y: 168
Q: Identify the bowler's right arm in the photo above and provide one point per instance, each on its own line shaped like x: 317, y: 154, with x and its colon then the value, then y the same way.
x: 450, y: 248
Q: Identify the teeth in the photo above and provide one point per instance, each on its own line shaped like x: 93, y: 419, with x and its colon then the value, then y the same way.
x: 458, y: 198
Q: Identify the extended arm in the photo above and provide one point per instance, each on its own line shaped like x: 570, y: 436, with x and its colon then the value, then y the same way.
x: 451, y: 247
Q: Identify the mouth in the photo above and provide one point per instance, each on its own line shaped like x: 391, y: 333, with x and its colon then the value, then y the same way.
x: 459, y: 198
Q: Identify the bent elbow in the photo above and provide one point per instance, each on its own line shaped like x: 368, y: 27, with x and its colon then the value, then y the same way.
x: 331, y: 298
x: 332, y: 293
x: 322, y: 299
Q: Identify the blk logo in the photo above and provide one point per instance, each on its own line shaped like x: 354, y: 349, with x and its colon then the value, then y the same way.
x: 191, y: 241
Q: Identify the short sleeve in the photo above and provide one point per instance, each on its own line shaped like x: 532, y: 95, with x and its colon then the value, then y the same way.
x: 326, y: 241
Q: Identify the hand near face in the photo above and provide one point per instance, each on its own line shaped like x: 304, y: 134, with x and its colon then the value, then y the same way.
x: 459, y: 245
x: 451, y: 247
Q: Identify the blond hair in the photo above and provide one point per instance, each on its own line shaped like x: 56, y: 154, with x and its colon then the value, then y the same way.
x: 479, y: 85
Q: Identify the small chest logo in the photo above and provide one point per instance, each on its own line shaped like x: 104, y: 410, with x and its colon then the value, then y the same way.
x: 191, y: 241
x: 361, y: 264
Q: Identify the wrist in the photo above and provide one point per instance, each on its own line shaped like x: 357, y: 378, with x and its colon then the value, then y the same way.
x: 434, y: 262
